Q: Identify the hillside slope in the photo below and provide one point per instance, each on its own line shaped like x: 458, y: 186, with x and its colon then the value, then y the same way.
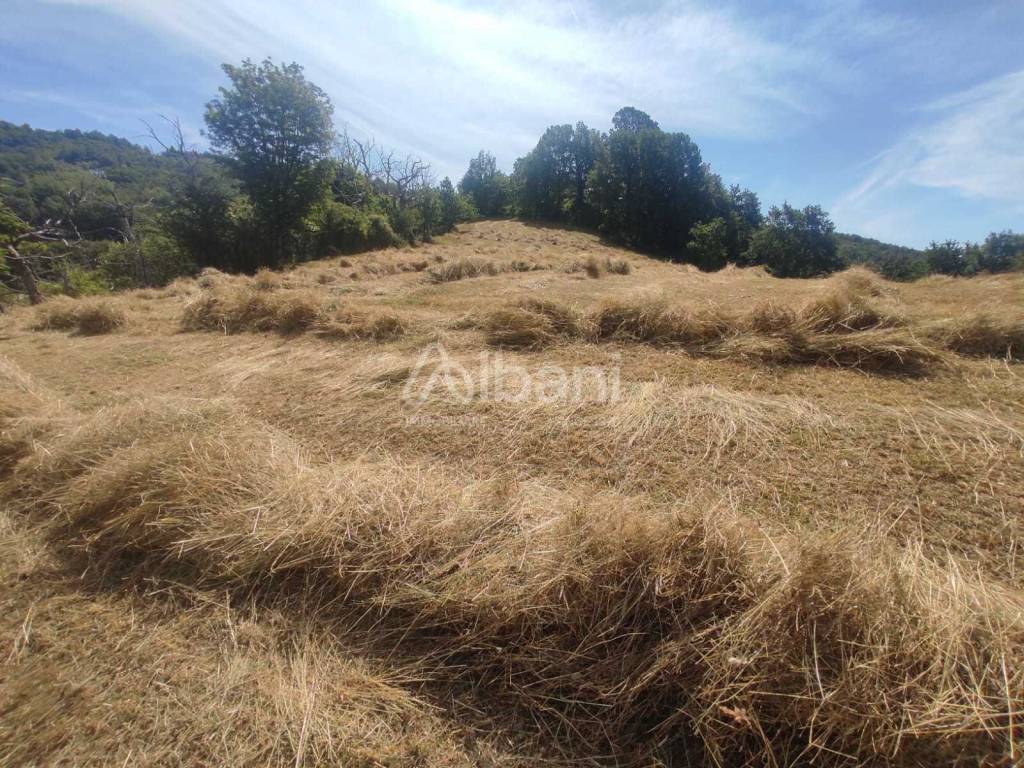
x: 515, y: 498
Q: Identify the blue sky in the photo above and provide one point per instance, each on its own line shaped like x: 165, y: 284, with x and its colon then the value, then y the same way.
x: 905, y: 120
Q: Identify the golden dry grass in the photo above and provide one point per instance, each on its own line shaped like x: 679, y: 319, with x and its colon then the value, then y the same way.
x: 255, y: 548
x: 87, y: 317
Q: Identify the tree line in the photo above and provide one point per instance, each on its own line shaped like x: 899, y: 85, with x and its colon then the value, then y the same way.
x: 84, y: 212
x: 81, y: 212
x: 649, y: 189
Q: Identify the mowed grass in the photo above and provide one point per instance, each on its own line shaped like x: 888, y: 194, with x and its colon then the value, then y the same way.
x: 233, y: 535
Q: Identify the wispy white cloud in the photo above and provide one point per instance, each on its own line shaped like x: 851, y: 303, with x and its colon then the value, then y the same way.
x: 398, y: 68
x: 968, y: 143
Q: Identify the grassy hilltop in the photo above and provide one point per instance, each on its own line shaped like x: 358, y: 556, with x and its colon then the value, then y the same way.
x: 234, y: 534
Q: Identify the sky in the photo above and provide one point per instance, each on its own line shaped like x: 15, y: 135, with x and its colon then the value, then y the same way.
x: 905, y: 120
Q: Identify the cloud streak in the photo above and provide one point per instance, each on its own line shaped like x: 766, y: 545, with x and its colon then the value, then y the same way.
x: 398, y: 68
x: 968, y: 144
x: 972, y: 145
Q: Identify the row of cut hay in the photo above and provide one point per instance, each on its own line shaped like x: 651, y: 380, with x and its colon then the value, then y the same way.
x: 375, y: 326
x: 981, y: 335
x: 843, y: 330
x: 27, y: 411
x: 596, y: 268
x: 234, y: 307
x: 629, y: 629
x: 469, y: 267
x: 100, y: 678
x: 86, y: 317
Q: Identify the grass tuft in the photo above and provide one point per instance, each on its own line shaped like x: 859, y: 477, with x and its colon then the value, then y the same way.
x: 86, y: 317
x: 982, y: 335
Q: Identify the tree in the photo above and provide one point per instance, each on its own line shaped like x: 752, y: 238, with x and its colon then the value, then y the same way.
x: 275, y: 128
x: 449, y: 205
x: 744, y: 219
x: 198, y: 218
x: 1002, y: 252
x: 550, y: 181
x: 485, y: 185
x: 949, y: 258
x: 795, y: 243
x: 14, y: 232
x: 633, y: 120
x: 649, y: 187
x: 709, y: 245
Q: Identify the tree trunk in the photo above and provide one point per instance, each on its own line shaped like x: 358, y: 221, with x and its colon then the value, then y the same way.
x: 24, y: 273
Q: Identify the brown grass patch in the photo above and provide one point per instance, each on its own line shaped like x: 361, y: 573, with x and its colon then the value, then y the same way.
x: 376, y: 326
x: 596, y: 268
x: 845, y: 311
x: 982, y: 335
x: 462, y: 269
x: 470, y: 267
x: 87, y: 317
x: 678, y: 632
x: 237, y: 307
x: 519, y: 328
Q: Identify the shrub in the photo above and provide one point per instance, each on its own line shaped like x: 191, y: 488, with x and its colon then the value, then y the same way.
x: 379, y: 232
x: 341, y: 228
x: 795, y: 243
x: 950, y: 258
x: 708, y: 247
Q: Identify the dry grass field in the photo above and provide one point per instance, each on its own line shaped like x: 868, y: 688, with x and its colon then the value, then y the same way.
x: 777, y: 523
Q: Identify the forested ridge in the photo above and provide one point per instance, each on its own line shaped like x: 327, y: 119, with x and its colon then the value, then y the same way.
x: 85, y: 212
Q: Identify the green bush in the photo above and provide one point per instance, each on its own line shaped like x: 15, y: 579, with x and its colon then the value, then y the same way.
x: 155, y: 261
x: 381, y: 235
x: 340, y: 228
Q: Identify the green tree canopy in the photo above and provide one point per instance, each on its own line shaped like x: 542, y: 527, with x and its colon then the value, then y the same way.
x: 648, y: 187
x: 950, y: 258
x: 485, y: 185
x: 276, y: 129
x: 795, y: 242
x: 1002, y: 252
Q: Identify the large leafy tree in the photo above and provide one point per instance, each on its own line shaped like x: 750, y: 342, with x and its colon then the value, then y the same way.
x: 551, y: 180
x: 796, y: 242
x: 1002, y: 252
x: 951, y: 258
x: 709, y: 244
x: 485, y: 185
x: 275, y: 128
x: 648, y: 186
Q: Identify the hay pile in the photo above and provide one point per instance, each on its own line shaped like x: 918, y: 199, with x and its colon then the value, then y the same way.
x: 843, y: 329
x: 86, y: 317
x: 667, y: 631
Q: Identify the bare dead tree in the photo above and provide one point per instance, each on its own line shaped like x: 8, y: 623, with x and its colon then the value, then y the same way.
x: 392, y: 175
x: 50, y: 232
x: 177, y: 146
